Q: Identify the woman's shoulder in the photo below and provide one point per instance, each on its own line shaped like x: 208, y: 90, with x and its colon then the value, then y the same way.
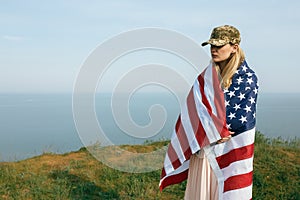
x: 245, y: 76
x: 245, y: 71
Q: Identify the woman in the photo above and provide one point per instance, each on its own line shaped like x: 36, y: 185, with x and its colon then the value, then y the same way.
x: 213, y: 142
x: 239, y: 84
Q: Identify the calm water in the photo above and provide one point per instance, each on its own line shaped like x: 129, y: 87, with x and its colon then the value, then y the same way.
x: 35, y: 123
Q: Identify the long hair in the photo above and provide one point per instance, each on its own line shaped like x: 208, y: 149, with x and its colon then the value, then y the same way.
x: 231, y: 67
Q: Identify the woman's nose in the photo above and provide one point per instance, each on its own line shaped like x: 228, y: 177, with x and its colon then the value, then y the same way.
x: 213, y: 49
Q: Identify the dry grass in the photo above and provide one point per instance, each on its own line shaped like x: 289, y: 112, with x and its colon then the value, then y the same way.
x: 78, y: 175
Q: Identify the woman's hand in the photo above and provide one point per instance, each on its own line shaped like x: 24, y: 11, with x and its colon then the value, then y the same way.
x: 225, y: 139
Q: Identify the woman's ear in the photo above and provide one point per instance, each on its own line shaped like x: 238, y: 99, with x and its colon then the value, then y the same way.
x: 234, y: 48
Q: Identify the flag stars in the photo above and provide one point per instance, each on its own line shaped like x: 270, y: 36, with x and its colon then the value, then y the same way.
x: 231, y: 94
x: 249, y: 80
x: 239, y: 80
x: 247, y: 108
x: 255, y: 90
x: 244, y: 68
x: 243, y: 119
x: 227, y: 103
x: 237, y: 106
x: 241, y: 96
x: 252, y: 100
x: 231, y: 116
x: 249, y: 74
x: 228, y: 126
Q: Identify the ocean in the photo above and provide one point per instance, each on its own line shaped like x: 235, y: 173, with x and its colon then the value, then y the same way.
x: 32, y: 124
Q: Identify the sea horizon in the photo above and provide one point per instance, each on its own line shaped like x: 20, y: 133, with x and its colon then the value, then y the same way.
x: 35, y: 123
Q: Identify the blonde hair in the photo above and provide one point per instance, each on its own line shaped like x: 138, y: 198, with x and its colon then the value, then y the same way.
x: 230, y: 68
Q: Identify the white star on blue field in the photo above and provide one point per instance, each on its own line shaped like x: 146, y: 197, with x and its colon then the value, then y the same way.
x: 241, y: 108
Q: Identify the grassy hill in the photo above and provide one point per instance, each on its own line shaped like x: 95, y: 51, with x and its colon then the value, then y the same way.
x: 78, y: 175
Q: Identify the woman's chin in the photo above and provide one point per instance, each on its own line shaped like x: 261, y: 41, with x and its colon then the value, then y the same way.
x: 216, y: 60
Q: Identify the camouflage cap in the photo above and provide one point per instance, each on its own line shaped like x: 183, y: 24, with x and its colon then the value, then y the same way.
x: 224, y: 35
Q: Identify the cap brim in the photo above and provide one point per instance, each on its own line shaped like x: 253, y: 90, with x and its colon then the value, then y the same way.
x: 215, y: 42
x: 204, y: 44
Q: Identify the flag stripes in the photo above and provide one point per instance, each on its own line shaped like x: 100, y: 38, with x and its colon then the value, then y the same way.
x: 183, y: 140
x: 238, y: 181
x: 232, y: 161
x: 194, y: 122
x: 238, y: 194
x: 235, y: 155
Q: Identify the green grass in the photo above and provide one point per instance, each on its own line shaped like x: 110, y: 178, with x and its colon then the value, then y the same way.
x: 276, y: 168
x: 78, y: 175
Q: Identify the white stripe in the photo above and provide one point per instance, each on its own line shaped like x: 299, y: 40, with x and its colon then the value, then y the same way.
x: 209, y: 88
x: 209, y: 152
x: 239, y: 194
x: 238, y: 167
x: 168, y: 165
x: 177, y: 147
x: 243, y: 139
x: 186, y: 123
x: 180, y: 169
x: 207, y: 122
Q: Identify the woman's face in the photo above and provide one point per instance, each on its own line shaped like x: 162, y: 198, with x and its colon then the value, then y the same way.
x: 222, y: 53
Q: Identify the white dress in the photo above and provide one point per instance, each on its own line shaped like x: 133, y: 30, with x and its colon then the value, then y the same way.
x: 202, y: 183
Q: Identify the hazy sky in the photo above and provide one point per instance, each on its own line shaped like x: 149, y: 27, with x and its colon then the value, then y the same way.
x: 44, y: 43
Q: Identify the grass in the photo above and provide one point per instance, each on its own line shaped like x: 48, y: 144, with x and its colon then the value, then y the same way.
x: 276, y: 168
x: 78, y: 175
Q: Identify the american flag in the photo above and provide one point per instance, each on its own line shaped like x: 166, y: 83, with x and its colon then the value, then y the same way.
x: 208, y: 114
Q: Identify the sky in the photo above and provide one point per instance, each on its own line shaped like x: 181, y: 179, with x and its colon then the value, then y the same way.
x: 43, y: 44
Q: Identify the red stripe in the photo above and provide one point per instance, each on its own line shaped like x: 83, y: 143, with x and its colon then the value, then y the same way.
x: 220, y: 106
x: 182, y: 138
x: 173, y: 157
x: 163, y: 173
x: 235, y: 155
x: 219, y: 96
x: 238, y: 181
x: 220, y: 124
x: 174, y: 179
x: 204, y: 99
x: 194, y: 119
